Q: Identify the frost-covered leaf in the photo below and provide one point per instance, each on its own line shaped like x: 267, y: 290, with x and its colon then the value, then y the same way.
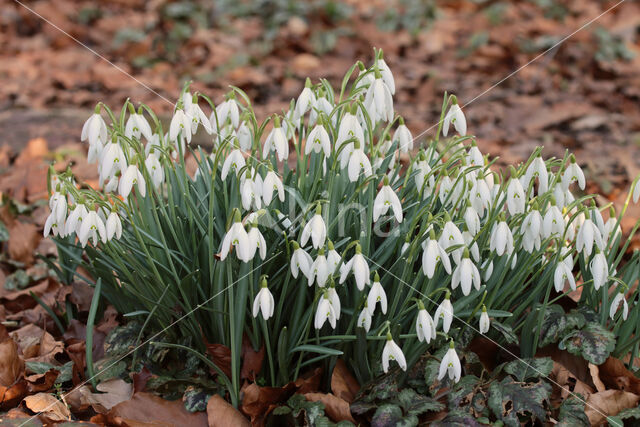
x: 594, y: 343
x: 416, y: 404
x: 524, y: 369
x: 572, y: 413
x: 509, y: 399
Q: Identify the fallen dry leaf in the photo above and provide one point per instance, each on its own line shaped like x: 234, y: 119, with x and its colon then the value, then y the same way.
x: 221, y: 356
x: 595, y: 376
x: 258, y: 401
x: 11, y: 364
x: 221, y: 414
x: 251, y: 359
x: 336, y: 408
x: 615, y: 375
x: 309, y: 381
x: 37, y: 345
x: 113, y: 392
x: 148, y: 408
x: 23, y: 239
x: 50, y: 407
x: 607, y: 403
x: 343, y: 384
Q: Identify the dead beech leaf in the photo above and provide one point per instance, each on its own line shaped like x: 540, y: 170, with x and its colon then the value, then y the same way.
x: 251, y: 360
x: 221, y: 414
x: 221, y: 356
x: 23, y: 239
x: 608, y: 402
x: 309, y: 381
x: 343, y: 384
x: 48, y: 405
x: 595, y: 375
x: 568, y: 383
x: 148, y: 408
x: 37, y: 345
x: 336, y: 408
x: 35, y: 149
x: 616, y: 376
x: 11, y: 364
x: 258, y: 401
x: 112, y: 393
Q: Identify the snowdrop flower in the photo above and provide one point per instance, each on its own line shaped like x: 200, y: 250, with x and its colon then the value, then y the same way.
x: 636, y: 191
x: 234, y: 161
x: 365, y: 77
x: 263, y: 301
x: 562, y: 274
x: 501, y: 239
x: 238, y: 238
x: 58, y: 206
x: 276, y: 141
x: 450, y: 364
x: 349, y: 128
x: 334, y: 299
x: 316, y: 229
x: 245, y: 138
x: 599, y: 269
x: 319, y: 270
x: 480, y: 195
x: 305, y: 101
x: 155, y: 169
x: 251, y: 191
x: 474, y: 156
x: 553, y: 222
x: 619, y: 298
x: 318, y: 140
x: 405, y: 245
x: 485, y: 323
x: 444, y: 312
x: 531, y: 228
x: 131, y: 177
x: 425, y: 326
x: 112, y: 160
x: 270, y: 184
x: 325, y: 312
x: 433, y: 254
x: 358, y: 265
x: 91, y: 227
x: 403, y: 137
x: 321, y: 106
x: 472, y: 245
x: 300, y: 261
x: 572, y: 174
x: 465, y: 275
x: 378, y: 101
x: 198, y: 116
x: 138, y: 126
x: 377, y: 294
x: 516, y: 199
x: 226, y: 110
x: 52, y: 225
x: 387, y: 75
x: 472, y: 219
x: 392, y: 351
x: 424, y: 185
x: 358, y: 162
x: 112, y: 185
x: 611, y: 229
x: 75, y: 219
x: 94, y: 129
x: 113, y: 226
x: 537, y: 169
x: 180, y: 125
x: 588, y: 234
x: 451, y: 236
x: 256, y: 243
x: 333, y: 258
x: 364, y: 319
x: 456, y: 117
x: 387, y: 198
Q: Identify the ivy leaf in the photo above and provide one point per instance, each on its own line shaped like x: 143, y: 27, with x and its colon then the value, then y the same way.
x: 524, y: 369
x: 594, y: 343
x: 509, y: 399
x: 416, y: 404
x: 506, y: 331
x: 572, y: 413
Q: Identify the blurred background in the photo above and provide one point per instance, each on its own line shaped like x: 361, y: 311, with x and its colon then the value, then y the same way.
x: 583, y: 95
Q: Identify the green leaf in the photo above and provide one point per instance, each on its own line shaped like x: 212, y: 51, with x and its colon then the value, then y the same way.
x: 557, y: 324
x: 317, y: 349
x: 462, y: 392
x: 594, y: 343
x: 630, y: 413
x: 308, y: 411
x: 506, y: 331
x: 510, y: 400
x: 4, y: 233
x: 64, y: 371
x: 387, y: 415
x: 416, y: 404
x: 457, y: 418
x: 524, y: 369
x: 572, y: 413
x: 17, y: 281
x: 195, y: 399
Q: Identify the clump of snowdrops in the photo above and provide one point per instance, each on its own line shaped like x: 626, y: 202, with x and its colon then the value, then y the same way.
x: 326, y: 231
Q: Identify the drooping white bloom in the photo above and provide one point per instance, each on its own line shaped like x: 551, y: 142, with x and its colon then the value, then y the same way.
x: 619, y: 298
x: 537, y: 169
x: 238, y: 238
x: 599, y: 269
x: 256, y: 243
x: 319, y: 270
x: 424, y: 185
x: 305, y: 101
x: 553, y: 222
x: 112, y: 160
x: 226, y: 110
x: 264, y: 302
x: 245, y: 138
x: 234, y: 161
x: 94, y: 130
x: 52, y: 225
x: 472, y: 220
x: 349, y: 128
x: 636, y: 191
x: 113, y: 226
x: 333, y: 258
x: 572, y: 174
x: 321, y: 106
x: 516, y: 199
x: 316, y: 229
x: 138, y: 126
x: 450, y: 364
x: 251, y: 191
x: 318, y: 141
x: 325, y: 312
x: 300, y: 261
x: 155, y: 169
x: 465, y: 275
x: 485, y: 323
x: 75, y: 219
x: 58, y: 206
x: 378, y: 102
x: 131, y: 177
x: 358, y: 265
x: 91, y: 227
x: 387, y: 75
x: 487, y: 268
x: 387, y: 198
x: 588, y: 235
x: 472, y: 245
x: 392, y: 351
x: 561, y: 275
x: 198, y: 117
x: 403, y: 138
x: 358, y: 162
x: 531, y: 230
x: 451, y: 236
x: 112, y: 185
x: 276, y: 141
x: 425, y: 326
x: 474, y: 156
x: 180, y: 125
x: 611, y: 230
x: 456, y: 117
x: 364, y: 319
x: 501, y: 239
x: 433, y: 254
x: 480, y: 196
x: 377, y: 294
x: 270, y: 184
x: 334, y: 299
x: 444, y: 312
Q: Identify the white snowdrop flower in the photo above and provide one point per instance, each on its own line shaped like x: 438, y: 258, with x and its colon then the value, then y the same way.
x: 516, y: 199
x: 112, y: 160
x: 137, y: 126
x: 94, y: 129
x: 226, y: 110
x: 365, y: 77
x: 256, y: 243
x: 270, y: 184
x: 318, y: 141
x: 599, y: 269
x: 433, y: 254
x: 465, y: 275
x: 334, y: 299
x: 387, y: 75
x: 153, y: 144
x: 588, y: 235
x: 234, y: 161
x: 377, y: 294
x: 472, y: 245
x: 480, y: 196
x: 251, y: 191
x: 405, y: 246
x: 596, y: 217
x: 561, y: 275
x: 319, y: 270
x: 333, y: 258
x: 392, y: 351
x: 636, y: 191
x: 358, y: 265
x: 403, y: 137
x: 358, y: 162
x: 276, y: 141
x: 300, y: 261
x: 501, y: 239
x: 315, y: 229
x: 77, y: 215
x: 180, y: 125
x: 450, y: 365
x: 425, y: 326
x: 364, y: 319
x: 112, y: 185
x: 611, y: 230
x: 325, y: 312
x: 386, y: 199
x: 349, y: 128
x: 573, y: 173
x: 472, y: 220
x: 451, y: 236
x: 537, y: 169
x: 531, y: 231
x: 245, y: 138
x: 52, y: 225
x: 378, y: 102
x: 619, y: 298
x: 456, y: 117
x: 559, y: 196
x: 58, y: 205
x: 305, y: 101
x: 474, y: 156
x: 237, y: 237
x: 322, y: 105
x: 131, y: 177
x: 422, y: 171
x: 92, y: 227
x: 485, y: 323
x: 553, y: 223
x: 198, y: 117
x: 155, y: 169
x: 444, y: 312
x: 113, y: 226
x: 263, y: 302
